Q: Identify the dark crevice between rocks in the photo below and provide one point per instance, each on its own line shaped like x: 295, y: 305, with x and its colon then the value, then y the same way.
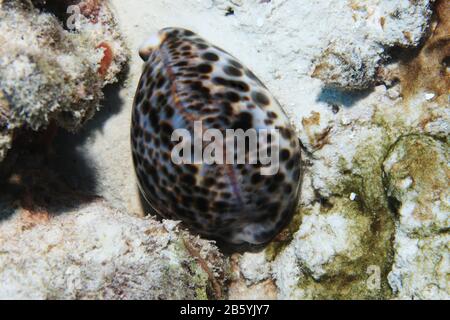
x: 305, y: 150
x: 394, y: 206
x: 446, y: 62
x: 392, y: 203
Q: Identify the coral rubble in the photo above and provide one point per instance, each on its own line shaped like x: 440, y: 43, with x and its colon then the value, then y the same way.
x: 52, y: 71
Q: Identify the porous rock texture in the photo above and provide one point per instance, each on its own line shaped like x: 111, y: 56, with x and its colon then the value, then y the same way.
x: 51, y: 69
x: 95, y: 252
x: 365, y: 83
x: 382, y: 25
x: 417, y: 172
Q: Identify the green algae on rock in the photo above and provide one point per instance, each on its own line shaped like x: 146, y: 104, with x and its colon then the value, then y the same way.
x: 417, y: 174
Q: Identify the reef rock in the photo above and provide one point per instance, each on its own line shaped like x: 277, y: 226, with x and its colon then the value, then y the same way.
x: 95, y: 252
x: 53, y: 69
x: 348, y: 64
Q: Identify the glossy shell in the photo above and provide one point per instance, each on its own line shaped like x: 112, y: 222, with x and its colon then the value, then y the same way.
x: 187, y: 79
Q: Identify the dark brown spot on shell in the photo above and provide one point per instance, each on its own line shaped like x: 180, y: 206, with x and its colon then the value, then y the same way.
x: 210, y: 56
x: 232, y: 71
x: 260, y: 98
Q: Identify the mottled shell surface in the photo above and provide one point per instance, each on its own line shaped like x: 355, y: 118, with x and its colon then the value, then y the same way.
x: 187, y: 79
